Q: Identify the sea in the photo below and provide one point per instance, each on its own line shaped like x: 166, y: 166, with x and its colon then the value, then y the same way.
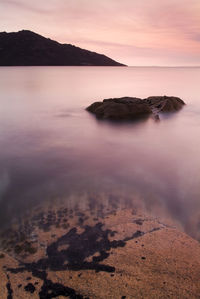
x: 52, y: 149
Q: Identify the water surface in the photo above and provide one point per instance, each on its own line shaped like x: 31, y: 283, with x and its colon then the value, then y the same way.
x: 50, y: 147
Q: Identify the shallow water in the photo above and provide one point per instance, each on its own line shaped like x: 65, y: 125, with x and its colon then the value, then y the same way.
x: 51, y: 148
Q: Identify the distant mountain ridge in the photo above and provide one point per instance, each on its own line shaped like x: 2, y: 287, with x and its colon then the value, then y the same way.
x: 26, y: 48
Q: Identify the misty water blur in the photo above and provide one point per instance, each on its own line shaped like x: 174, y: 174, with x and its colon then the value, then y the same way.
x: 50, y: 147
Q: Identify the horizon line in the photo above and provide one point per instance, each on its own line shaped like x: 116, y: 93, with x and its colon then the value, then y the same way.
x: 169, y: 66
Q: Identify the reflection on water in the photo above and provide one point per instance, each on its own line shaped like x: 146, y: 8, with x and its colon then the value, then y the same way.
x: 51, y: 148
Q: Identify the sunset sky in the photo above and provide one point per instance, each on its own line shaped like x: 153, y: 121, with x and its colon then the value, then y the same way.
x: 134, y: 32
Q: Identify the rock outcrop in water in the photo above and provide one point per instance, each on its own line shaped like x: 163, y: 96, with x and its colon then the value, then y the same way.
x: 164, y: 103
x: 126, y: 108
x: 121, y: 108
x: 26, y: 48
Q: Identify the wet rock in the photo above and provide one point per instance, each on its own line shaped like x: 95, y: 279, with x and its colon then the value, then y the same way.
x: 165, y: 103
x: 72, y: 253
x: 127, y: 108
x: 120, y: 108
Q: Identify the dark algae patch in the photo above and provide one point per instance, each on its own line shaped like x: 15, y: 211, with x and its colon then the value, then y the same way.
x: 9, y: 288
x: 52, y: 290
x: 138, y: 221
x: 29, y: 288
x: 93, y: 240
x: 76, y: 252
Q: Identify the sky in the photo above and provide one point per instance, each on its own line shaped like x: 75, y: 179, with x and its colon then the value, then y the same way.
x: 133, y: 32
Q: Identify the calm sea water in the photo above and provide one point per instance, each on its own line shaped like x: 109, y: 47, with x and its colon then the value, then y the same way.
x: 50, y: 147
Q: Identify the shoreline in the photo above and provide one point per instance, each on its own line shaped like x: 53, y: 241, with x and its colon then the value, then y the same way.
x: 100, y: 253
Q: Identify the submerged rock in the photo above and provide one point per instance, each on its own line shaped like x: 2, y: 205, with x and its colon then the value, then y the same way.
x: 133, y: 108
x: 126, y: 254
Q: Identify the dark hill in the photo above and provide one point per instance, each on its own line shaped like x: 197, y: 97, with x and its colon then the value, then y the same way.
x: 26, y: 48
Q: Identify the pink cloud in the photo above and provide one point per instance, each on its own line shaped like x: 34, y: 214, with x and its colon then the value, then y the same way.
x: 132, y: 31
